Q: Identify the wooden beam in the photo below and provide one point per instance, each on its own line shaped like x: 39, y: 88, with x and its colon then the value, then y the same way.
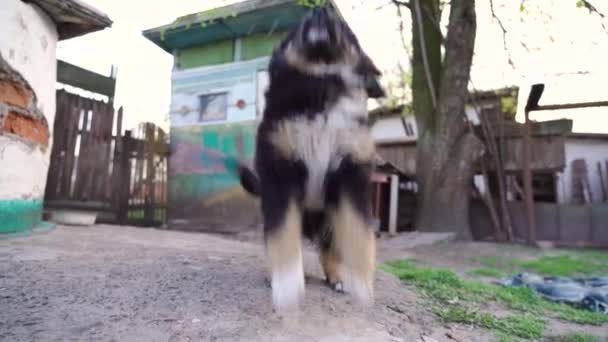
x: 82, y: 78
x: 533, y: 98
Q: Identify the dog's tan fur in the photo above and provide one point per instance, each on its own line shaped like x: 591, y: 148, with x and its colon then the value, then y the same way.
x: 284, y: 254
x: 356, y: 245
x: 330, y: 261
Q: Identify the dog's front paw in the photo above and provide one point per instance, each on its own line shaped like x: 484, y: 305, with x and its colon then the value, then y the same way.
x: 337, y: 286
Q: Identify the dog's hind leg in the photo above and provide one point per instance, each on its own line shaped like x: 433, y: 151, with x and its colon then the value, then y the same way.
x: 353, y: 237
x: 330, y: 261
x: 355, y: 243
x: 283, y: 234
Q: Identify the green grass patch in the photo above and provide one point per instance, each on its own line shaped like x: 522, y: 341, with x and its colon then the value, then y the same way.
x: 562, y: 265
x: 571, y: 263
x: 502, y: 337
x: 576, y: 337
x: 572, y: 314
x: 519, y: 325
x: 462, y: 301
x: 486, y: 272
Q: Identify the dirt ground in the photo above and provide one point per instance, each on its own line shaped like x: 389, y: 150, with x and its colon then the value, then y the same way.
x: 109, y: 283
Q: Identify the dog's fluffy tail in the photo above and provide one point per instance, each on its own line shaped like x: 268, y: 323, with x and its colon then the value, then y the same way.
x: 249, y: 180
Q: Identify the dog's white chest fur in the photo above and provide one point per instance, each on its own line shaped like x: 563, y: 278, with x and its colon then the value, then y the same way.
x: 323, y: 141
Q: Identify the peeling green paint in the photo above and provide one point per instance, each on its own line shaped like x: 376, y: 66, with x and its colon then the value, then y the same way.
x: 19, y: 215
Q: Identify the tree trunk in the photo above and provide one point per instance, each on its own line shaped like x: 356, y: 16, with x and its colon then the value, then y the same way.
x: 446, y: 149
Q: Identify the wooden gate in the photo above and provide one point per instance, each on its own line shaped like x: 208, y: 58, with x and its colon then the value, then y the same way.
x: 81, y: 156
x: 141, y: 186
x: 122, y: 177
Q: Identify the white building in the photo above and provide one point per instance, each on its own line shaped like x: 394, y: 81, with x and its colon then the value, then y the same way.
x: 29, y: 32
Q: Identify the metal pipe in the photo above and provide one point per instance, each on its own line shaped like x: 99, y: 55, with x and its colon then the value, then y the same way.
x: 572, y: 105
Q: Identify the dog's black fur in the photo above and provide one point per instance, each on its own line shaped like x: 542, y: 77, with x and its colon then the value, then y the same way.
x: 294, y: 94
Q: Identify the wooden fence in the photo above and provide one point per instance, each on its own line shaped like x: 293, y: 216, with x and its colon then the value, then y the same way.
x: 575, y: 225
x: 141, y: 183
x: 94, y: 168
x: 572, y: 225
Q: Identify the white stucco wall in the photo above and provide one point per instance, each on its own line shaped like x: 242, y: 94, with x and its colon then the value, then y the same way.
x: 28, y: 38
x: 593, y: 151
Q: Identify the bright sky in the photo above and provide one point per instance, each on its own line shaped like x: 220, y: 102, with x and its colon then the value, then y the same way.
x: 567, y: 49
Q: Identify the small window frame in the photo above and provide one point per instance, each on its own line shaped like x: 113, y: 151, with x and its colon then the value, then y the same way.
x: 204, y: 118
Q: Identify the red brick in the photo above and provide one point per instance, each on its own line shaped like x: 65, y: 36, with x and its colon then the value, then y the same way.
x: 31, y: 129
x: 15, y: 94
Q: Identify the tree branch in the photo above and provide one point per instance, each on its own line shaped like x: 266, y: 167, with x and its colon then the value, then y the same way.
x: 425, y: 59
x: 402, y: 3
x: 593, y: 9
x: 427, y: 14
x: 401, y: 83
x: 504, y: 34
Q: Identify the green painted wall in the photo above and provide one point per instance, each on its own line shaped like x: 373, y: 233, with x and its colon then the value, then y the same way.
x: 19, y: 215
x: 259, y: 45
x: 254, y: 46
x: 203, y: 166
x: 211, y: 54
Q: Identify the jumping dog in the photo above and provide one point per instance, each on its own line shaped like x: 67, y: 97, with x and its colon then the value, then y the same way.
x: 314, y: 157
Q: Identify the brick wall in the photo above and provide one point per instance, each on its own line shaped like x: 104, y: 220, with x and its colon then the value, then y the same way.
x: 19, y: 115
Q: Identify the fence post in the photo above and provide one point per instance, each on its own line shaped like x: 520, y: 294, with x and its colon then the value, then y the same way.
x: 149, y: 150
x: 394, y: 205
x: 124, y: 175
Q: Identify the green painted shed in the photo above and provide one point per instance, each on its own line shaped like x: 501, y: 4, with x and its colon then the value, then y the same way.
x: 218, y: 83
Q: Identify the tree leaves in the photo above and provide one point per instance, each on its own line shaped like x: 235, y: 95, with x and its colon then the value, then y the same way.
x: 312, y: 3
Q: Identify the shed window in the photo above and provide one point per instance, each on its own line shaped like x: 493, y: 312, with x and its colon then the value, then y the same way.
x: 213, y: 106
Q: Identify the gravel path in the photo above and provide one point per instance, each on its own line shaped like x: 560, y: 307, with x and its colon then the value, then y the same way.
x: 110, y: 283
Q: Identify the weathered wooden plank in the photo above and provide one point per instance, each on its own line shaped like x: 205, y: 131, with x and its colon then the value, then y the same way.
x: 547, y: 221
x: 78, y: 77
x: 518, y: 216
x: 59, y: 145
x: 150, y: 174
x: 83, y: 169
x: 403, y: 156
x: 108, y: 156
x: 124, y: 172
x: 116, y: 162
x: 98, y: 148
x: 139, y: 165
x: 603, y: 189
x: 74, y: 114
x: 599, y: 223
x: 575, y: 222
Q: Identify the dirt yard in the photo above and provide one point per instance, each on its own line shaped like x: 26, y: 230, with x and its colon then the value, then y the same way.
x: 109, y: 283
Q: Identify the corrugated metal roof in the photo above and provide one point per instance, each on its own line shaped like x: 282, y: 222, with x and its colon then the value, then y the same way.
x: 73, y: 17
x: 228, y: 22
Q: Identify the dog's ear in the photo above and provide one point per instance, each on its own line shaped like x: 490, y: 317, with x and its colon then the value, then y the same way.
x: 366, y: 66
x: 370, y: 73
